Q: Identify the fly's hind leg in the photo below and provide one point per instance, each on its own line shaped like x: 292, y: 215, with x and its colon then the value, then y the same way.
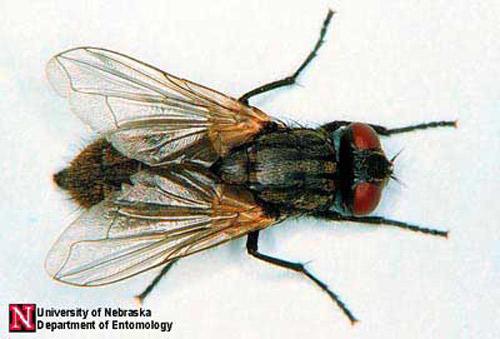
x: 253, y: 250
x: 142, y: 296
x: 381, y: 130
x: 290, y: 80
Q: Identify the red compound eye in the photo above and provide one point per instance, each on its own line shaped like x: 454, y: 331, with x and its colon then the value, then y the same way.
x: 364, y: 137
x: 366, y: 198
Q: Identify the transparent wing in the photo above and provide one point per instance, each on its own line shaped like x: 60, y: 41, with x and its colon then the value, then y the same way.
x: 155, y: 220
x: 147, y: 114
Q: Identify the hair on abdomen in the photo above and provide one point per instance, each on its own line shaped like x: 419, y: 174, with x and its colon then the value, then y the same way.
x: 97, y: 171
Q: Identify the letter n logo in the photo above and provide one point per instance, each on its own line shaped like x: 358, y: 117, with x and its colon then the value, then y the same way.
x: 22, y: 318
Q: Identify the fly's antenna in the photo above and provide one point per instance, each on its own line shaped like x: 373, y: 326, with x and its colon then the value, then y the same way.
x: 396, y: 156
x: 395, y: 178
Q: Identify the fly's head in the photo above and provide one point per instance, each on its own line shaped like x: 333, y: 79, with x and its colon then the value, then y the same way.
x: 363, y: 169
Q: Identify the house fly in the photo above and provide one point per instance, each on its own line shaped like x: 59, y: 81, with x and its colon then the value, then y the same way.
x: 178, y: 168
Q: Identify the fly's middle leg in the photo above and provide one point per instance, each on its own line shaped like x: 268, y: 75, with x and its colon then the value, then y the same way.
x: 290, y: 80
x: 253, y: 250
x: 385, y: 131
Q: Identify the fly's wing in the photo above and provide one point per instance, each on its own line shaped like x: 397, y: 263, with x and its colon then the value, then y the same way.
x: 150, y: 115
x: 157, y: 219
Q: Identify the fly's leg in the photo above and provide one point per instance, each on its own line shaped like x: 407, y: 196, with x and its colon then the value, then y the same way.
x: 253, y: 250
x: 381, y: 130
x: 141, y: 297
x: 290, y: 80
x: 380, y: 221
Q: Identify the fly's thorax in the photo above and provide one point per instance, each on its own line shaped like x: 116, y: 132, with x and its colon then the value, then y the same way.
x: 292, y: 168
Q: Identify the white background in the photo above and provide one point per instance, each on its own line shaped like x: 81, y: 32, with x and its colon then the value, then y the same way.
x: 386, y: 62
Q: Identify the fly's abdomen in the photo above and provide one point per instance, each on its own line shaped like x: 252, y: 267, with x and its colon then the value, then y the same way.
x: 293, y: 169
x: 95, y: 173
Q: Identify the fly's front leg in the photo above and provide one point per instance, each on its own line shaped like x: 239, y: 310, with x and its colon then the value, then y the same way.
x: 290, y: 80
x: 374, y: 220
x: 142, y: 296
x: 381, y: 130
x: 253, y: 250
